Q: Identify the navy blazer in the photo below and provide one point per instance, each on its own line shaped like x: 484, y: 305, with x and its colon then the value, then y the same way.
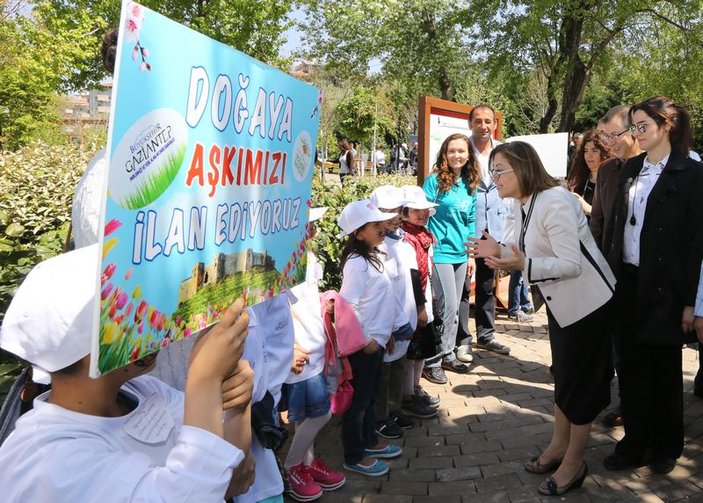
x: 671, y: 245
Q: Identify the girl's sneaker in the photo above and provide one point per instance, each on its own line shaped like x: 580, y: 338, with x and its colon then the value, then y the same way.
x: 387, y: 452
x: 377, y: 469
x: 328, y: 479
x: 302, y: 485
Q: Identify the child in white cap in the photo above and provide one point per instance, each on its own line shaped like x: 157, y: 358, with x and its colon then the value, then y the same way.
x: 416, y: 212
x: 306, y: 387
x: 124, y: 436
x: 402, y: 267
x: 366, y: 286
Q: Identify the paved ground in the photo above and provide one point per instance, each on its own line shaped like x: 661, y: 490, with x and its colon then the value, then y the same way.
x: 498, y: 415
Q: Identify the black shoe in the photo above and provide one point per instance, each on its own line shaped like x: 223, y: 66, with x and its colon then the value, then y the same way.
x: 416, y: 407
x: 403, y: 421
x: 663, y: 466
x: 455, y: 366
x: 435, y: 375
x: 390, y: 429
x: 617, y: 461
x: 550, y: 488
x: 495, y: 346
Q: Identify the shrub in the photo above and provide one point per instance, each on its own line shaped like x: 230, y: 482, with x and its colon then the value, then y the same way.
x: 37, y: 184
x: 330, y: 194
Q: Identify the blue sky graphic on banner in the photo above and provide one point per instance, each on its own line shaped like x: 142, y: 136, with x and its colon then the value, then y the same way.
x: 211, y: 157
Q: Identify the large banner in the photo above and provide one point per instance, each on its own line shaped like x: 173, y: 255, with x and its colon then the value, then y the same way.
x: 210, y: 167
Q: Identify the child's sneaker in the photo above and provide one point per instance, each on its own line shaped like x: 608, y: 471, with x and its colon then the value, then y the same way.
x: 377, y: 469
x: 302, y: 485
x: 415, y: 406
x: 431, y: 400
x: 390, y: 429
x: 403, y: 421
x: 328, y: 479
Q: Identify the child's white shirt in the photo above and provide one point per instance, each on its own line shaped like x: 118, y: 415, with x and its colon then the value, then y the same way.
x: 367, y: 290
x: 307, y: 321
x: 403, y: 256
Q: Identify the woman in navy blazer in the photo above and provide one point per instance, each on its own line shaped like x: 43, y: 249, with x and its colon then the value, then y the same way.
x: 557, y: 253
x: 655, y: 248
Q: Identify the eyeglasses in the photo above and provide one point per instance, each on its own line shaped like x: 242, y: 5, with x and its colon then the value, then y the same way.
x: 496, y: 174
x: 640, y: 127
x: 612, y: 136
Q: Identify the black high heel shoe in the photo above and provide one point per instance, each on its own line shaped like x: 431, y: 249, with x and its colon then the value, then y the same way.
x: 549, y: 486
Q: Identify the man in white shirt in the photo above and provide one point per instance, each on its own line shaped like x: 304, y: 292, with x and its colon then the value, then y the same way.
x: 124, y: 436
x: 490, y: 213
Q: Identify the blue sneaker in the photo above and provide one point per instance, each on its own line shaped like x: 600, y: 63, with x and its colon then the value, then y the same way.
x: 389, y: 451
x: 377, y: 469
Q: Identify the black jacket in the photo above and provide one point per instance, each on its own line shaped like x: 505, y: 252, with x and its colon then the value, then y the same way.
x: 671, y: 246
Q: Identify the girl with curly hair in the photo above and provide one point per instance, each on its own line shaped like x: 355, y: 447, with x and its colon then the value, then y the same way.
x: 452, y: 186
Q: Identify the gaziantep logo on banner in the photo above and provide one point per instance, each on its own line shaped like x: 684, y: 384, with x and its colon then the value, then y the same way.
x: 148, y: 158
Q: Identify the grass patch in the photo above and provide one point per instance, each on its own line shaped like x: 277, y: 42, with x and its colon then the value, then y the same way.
x: 225, y: 292
x: 155, y: 184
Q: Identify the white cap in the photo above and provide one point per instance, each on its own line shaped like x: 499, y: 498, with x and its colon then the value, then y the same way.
x: 387, y: 197
x: 359, y: 213
x: 50, y: 318
x: 416, y: 199
x: 317, y: 213
x: 87, y: 202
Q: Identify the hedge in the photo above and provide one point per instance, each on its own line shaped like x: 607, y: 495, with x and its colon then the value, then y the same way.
x: 328, y: 247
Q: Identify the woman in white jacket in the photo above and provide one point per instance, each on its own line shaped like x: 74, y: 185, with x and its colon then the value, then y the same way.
x: 556, y: 252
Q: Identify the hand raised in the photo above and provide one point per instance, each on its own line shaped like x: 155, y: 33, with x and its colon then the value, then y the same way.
x: 484, y: 247
x: 217, y: 351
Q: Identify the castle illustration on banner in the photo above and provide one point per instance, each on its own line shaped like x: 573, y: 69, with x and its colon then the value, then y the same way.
x: 222, y: 265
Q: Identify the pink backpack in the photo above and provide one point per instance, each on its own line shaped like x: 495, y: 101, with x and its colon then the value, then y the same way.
x: 342, y: 394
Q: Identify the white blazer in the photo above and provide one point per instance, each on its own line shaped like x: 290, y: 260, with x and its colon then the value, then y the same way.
x: 561, y: 255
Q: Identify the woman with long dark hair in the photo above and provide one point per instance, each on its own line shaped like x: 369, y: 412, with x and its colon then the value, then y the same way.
x: 557, y: 253
x: 452, y: 187
x: 588, y: 158
x: 656, y: 247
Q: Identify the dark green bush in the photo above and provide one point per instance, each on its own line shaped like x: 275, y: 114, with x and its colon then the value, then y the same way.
x: 324, y: 193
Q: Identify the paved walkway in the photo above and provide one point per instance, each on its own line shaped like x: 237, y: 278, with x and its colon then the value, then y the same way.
x: 496, y: 416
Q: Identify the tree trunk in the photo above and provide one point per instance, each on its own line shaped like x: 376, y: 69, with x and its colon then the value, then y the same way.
x: 576, y: 75
x: 445, y: 85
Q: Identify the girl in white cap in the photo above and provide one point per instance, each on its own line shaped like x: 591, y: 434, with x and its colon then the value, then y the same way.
x: 366, y: 285
x: 417, y: 211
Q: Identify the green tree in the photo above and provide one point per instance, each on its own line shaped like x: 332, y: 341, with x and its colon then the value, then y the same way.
x: 37, y: 53
x: 255, y: 28
x: 417, y: 42
x: 567, y: 40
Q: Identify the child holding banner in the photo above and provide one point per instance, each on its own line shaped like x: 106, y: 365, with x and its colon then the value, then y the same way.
x: 306, y: 387
x: 366, y: 286
x: 124, y: 436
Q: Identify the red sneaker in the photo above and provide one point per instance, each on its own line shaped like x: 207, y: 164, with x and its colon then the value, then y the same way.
x: 302, y: 486
x: 328, y: 479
